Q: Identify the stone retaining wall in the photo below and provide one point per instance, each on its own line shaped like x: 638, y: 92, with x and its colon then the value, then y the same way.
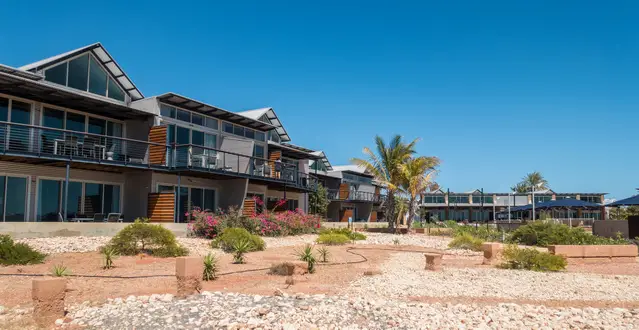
x: 596, y: 253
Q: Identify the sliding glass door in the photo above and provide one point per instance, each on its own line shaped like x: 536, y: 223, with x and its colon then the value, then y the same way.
x: 13, y: 198
x: 84, y: 200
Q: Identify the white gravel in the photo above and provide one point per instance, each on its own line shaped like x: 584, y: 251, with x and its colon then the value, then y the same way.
x: 403, y: 275
x: 431, y: 242
x: 238, y: 311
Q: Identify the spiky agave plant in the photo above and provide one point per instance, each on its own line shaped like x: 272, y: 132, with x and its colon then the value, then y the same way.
x: 109, y: 254
x: 210, y: 267
x: 306, y: 254
x: 240, y: 248
x: 324, y: 254
x: 60, y: 270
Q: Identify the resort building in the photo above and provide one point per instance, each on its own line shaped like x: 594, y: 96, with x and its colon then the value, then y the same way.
x: 79, y: 142
x: 351, y: 190
x: 476, y: 205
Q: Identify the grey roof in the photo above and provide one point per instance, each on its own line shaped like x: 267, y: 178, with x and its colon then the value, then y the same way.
x: 324, y: 159
x: 20, y: 72
x: 207, y: 109
x: 351, y: 168
x: 293, y: 150
x: 272, y: 118
x: 105, y: 59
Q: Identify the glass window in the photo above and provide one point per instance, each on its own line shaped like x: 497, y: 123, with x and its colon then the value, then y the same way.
x: 49, y: 200
x: 196, y: 198
x: 92, y: 199
x: 16, y: 200
x: 114, y: 91
x: 53, y: 118
x: 260, y: 136
x: 197, y: 138
x: 97, y: 78
x: 75, y: 122
x: 183, y: 115
x: 210, y: 140
x: 183, y: 135
x: 20, y: 112
x: 78, y: 71
x: 197, y: 119
x: 2, y: 186
x: 162, y: 188
x: 249, y: 133
x: 114, y: 129
x: 4, y: 109
x: 211, y: 123
x: 228, y: 127
x: 434, y: 200
x: 273, y: 136
x: 238, y: 130
x: 167, y: 111
x: 209, y: 200
x: 57, y: 74
x: 258, y: 151
x: 97, y: 126
x: 111, y: 199
x: 74, y: 199
x: 184, y: 202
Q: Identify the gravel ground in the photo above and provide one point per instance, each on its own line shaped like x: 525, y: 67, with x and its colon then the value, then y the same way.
x: 235, y: 311
x: 432, y: 242
x: 404, y: 276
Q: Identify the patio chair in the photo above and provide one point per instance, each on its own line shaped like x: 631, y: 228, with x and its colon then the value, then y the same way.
x: 267, y: 170
x: 71, y: 144
x: 91, y: 143
x: 98, y: 217
x: 114, y: 217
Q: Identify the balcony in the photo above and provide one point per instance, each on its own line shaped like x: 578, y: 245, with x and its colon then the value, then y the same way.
x: 50, y: 144
x: 355, y: 196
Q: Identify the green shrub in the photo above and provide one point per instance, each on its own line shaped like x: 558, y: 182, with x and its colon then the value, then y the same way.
x: 240, y: 248
x: 109, y: 254
x: 60, y: 271
x: 307, y: 255
x: 532, y: 259
x: 486, y: 233
x: 544, y: 233
x: 12, y: 253
x: 451, y: 224
x: 143, y: 237
x: 332, y: 239
x: 352, y: 235
x: 466, y: 241
x: 230, y: 236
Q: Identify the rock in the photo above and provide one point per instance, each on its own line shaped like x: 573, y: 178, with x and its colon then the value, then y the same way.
x: 3, y: 310
x: 130, y: 299
x: 59, y: 322
x: 143, y: 299
x: 278, y: 293
x: 257, y: 298
x: 167, y: 297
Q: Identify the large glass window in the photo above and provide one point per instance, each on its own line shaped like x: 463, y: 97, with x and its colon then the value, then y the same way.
x: 97, y: 126
x: 249, y: 133
x: 2, y: 186
x: 4, y: 109
x: 19, y: 135
x: 111, y: 199
x: 167, y: 111
x: 429, y: 199
x: 487, y: 199
x: 260, y: 136
x: 211, y: 123
x: 184, y: 116
x: 75, y: 122
x: 78, y: 72
x: 258, y: 151
x: 238, y: 130
x: 16, y: 201
x: 228, y: 127
x: 92, y: 199
x: 20, y: 112
x: 114, y: 91
x: 197, y: 119
x: 49, y: 198
x: 74, y: 200
x: 57, y: 74
x: 53, y: 118
x: 452, y: 199
x: 209, y: 200
x: 97, y: 78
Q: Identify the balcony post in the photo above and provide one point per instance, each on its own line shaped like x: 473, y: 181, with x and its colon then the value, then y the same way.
x: 66, y: 193
x: 177, y: 193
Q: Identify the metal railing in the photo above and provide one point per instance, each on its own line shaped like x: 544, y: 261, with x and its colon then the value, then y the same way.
x: 334, y: 194
x: 43, y: 142
x: 22, y: 139
x: 214, y: 160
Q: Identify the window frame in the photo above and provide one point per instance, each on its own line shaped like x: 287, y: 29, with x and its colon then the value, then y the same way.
x: 27, y: 209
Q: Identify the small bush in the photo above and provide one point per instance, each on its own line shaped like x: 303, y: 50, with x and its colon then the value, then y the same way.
x: 230, y: 236
x: 240, y: 248
x: 532, y: 259
x: 466, y: 241
x: 332, y: 239
x: 307, y: 255
x: 12, y: 253
x: 210, y: 267
x: 143, y: 237
x: 396, y: 241
x: 109, y: 254
x: 544, y: 233
x: 282, y: 269
x: 352, y: 235
x: 60, y: 271
x: 486, y: 233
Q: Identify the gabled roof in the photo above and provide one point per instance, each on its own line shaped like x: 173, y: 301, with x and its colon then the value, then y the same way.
x: 351, y: 168
x: 207, y: 109
x: 101, y: 55
x: 323, y: 159
x: 270, y: 114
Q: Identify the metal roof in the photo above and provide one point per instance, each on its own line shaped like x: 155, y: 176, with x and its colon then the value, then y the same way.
x: 207, y: 109
x: 324, y: 160
x: 67, y: 97
x: 294, y: 151
x: 101, y: 55
x: 20, y: 73
x: 272, y: 118
x: 634, y: 200
x: 351, y: 168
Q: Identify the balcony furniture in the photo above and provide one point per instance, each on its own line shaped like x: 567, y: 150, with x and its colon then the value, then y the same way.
x: 212, y: 160
x: 94, y: 147
x: 98, y: 217
x: 267, y: 170
x: 79, y: 219
x: 198, y: 160
x: 72, y: 144
x: 114, y: 217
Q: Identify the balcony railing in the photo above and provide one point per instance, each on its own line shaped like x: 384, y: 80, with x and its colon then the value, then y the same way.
x: 334, y: 194
x: 21, y: 139
x: 43, y: 142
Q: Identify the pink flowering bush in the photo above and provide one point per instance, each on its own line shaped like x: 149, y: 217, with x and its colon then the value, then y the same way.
x: 287, y: 223
x: 205, y: 223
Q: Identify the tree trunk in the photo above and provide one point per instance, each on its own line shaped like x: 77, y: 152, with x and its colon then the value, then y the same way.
x: 411, y: 213
x: 390, y: 210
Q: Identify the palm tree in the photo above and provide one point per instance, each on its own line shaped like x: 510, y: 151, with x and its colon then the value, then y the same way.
x: 534, y: 179
x: 417, y: 175
x: 384, y: 165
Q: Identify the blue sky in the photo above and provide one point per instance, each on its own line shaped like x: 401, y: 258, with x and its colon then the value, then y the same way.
x: 496, y: 89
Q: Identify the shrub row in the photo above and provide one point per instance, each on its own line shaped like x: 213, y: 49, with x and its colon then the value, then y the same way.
x: 544, y: 233
x: 12, y: 253
x: 230, y: 237
x: 531, y: 259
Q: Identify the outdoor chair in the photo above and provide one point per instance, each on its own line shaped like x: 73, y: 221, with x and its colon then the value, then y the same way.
x: 71, y: 144
x: 98, y: 217
x: 91, y: 146
x: 267, y: 170
x: 114, y: 217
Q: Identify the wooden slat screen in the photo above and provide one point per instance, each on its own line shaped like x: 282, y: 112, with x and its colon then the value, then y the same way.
x: 345, y: 215
x: 157, y: 154
x: 249, y: 207
x: 344, y: 189
x: 373, y: 216
x: 272, y: 157
x: 161, y: 207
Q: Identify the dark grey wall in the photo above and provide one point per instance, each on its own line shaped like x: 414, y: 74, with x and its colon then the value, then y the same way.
x: 232, y: 193
x: 610, y: 228
x: 137, y: 186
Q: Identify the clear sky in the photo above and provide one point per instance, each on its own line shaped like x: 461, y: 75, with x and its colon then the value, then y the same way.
x: 496, y: 89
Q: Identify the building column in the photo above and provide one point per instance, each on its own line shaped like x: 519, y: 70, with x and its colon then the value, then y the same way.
x: 66, y: 192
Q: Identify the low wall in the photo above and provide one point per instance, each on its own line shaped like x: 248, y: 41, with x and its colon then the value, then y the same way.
x: 52, y: 229
x: 355, y: 224
x: 610, y: 228
x: 615, y: 253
